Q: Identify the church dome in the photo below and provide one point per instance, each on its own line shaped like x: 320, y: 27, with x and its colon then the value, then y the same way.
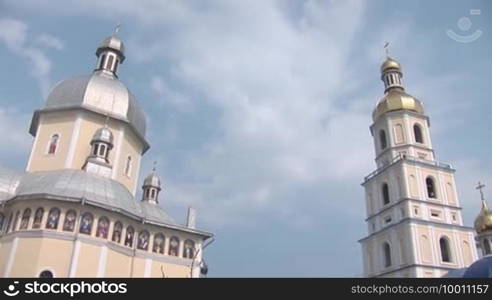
x: 152, y: 181
x: 482, y: 268
x: 483, y: 222
x: 99, y: 93
x: 397, y: 99
x: 390, y: 63
x: 104, y: 135
x: 114, y: 43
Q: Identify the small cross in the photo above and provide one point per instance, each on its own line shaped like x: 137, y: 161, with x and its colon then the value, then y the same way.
x: 386, y: 48
x: 154, y: 165
x: 116, y: 29
x: 480, y: 187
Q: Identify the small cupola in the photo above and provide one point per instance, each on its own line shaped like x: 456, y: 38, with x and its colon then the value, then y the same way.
x: 151, y: 188
x: 98, y: 160
x: 110, y: 53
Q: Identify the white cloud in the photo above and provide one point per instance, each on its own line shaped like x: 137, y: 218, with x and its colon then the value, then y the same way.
x: 50, y: 41
x: 14, y: 33
x: 13, y: 126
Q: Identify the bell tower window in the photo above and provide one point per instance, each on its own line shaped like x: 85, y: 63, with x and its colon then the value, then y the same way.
x: 387, y: 255
x: 128, y: 166
x: 431, y: 188
x: 102, y: 61
x: 385, y: 192
x: 53, y: 145
x: 417, y: 131
x: 382, y: 139
x: 109, y: 65
x: 445, y: 251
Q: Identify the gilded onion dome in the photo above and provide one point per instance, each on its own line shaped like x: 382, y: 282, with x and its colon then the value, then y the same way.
x: 395, y: 97
x: 483, y: 222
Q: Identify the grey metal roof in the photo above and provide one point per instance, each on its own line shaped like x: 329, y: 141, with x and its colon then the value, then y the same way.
x: 112, y: 42
x: 100, y: 93
x: 75, y: 185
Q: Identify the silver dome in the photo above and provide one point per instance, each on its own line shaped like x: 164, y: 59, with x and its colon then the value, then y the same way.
x: 114, y: 43
x: 104, y: 135
x: 98, y: 93
x: 152, y: 181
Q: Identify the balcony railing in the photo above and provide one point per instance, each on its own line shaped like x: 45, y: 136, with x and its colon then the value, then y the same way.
x: 408, y: 158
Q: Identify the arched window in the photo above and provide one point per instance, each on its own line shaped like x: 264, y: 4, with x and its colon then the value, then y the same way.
x: 417, y: 132
x: 2, y: 218
x: 103, y: 60
x: 69, y: 222
x: 445, y: 250
x: 86, y: 223
x: 118, y: 227
x: 387, y: 254
x: 53, y: 218
x: 128, y: 166
x: 174, y: 246
x: 189, y: 249
x: 9, y: 222
x: 25, y: 218
x: 14, y: 227
x: 53, y: 144
x: 46, y: 274
x: 382, y: 139
x: 38, y: 218
x: 143, y: 240
x: 385, y: 192
x: 486, y: 247
x: 102, y: 228
x: 431, y: 188
x: 158, y: 246
x: 129, y: 236
x: 109, y: 65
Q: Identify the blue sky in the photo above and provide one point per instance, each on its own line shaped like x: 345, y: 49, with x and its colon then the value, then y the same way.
x: 259, y: 110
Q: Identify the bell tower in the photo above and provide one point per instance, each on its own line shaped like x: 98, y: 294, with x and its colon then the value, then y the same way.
x: 414, y: 222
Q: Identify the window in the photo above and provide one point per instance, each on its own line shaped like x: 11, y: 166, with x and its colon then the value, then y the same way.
x: 53, y: 144
x: 102, y: 150
x: 435, y: 214
x: 38, y: 218
x: 53, y: 217
x: 387, y: 220
x: 14, y: 227
x: 453, y: 216
x: 486, y: 247
x: 417, y: 131
x: 69, y: 222
x: 174, y: 246
x: 128, y: 166
x: 46, y: 274
x: 431, y: 189
x: 385, y: 191
x: 95, y: 150
x: 109, y: 65
x: 9, y: 222
x: 25, y: 218
x: 129, y: 236
x: 143, y: 240
x: 387, y: 255
x: 2, y: 218
x: 86, y: 223
x: 382, y: 139
x: 189, y: 249
x: 445, y: 251
x: 102, y: 228
x: 118, y: 227
x: 159, y: 241
x: 103, y: 59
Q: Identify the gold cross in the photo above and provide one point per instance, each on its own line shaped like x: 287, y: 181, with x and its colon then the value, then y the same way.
x: 480, y: 187
x: 116, y: 29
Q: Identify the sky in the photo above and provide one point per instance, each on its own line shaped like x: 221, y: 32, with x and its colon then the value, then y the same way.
x: 259, y: 111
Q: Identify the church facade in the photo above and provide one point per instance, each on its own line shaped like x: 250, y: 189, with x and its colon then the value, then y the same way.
x: 74, y: 212
x: 414, y: 222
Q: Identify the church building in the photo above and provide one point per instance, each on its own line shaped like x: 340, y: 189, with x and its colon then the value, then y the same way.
x: 74, y: 211
x: 414, y: 222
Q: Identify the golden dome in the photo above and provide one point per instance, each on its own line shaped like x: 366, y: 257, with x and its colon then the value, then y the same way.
x: 483, y: 222
x: 397, y: 99
x: 390, y: 63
